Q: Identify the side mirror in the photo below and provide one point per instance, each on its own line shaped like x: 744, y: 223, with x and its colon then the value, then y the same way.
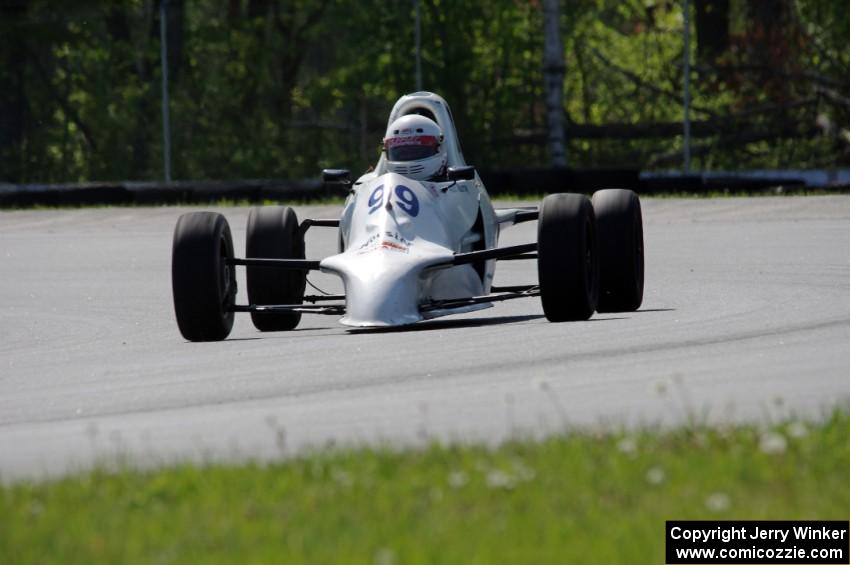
x: 466, y: 172
x: 336, y: 176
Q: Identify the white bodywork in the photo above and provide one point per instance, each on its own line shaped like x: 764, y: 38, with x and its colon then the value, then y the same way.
x: 394, y: 230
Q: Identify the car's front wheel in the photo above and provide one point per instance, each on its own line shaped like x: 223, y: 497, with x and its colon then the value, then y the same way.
x: 202, y: 281
x: 567, y: 260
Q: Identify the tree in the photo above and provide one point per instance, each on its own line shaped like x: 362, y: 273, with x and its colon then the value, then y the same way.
x: 554, y: 68
x: 282, y: 88
x: 712, y: 25
x: 13, y: 106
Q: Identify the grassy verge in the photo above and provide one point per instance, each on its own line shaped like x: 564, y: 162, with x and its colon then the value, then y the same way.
x: 580, y: 498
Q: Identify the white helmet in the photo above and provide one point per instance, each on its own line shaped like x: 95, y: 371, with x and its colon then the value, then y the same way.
x: 413, y: 144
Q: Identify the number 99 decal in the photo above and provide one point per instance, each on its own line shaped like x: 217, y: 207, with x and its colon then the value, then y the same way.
x: 406, y: 200
x: 376, y: 198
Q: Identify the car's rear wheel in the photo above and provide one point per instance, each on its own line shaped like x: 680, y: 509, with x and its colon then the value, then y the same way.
x: 273, y: 233
x: 567, y: 262
x: 621, y: 263
x: 203, y: 284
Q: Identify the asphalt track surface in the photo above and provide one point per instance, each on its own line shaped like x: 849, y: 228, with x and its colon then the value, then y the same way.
x: 746, y: 316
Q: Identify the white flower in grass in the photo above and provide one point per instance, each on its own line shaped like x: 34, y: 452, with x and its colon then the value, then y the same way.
x: 627, y: 445
x: 342, y: 478
x: 717, y: 502
x: 655, y: 476
x: 436, y: 494
x: 798, y: 430
x: 457, y: 479
x: 773, y: 443
x: 523, y: 472
x: 35, y: 508
x: 385, y: 556
x: 499, y: 479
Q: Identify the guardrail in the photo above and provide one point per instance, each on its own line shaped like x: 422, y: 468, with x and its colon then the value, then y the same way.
x: 531, y: 181
x: 129, y: 192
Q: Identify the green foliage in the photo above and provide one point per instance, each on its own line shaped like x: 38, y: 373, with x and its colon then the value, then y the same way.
x: 265, y: 88
x: 593, y: 496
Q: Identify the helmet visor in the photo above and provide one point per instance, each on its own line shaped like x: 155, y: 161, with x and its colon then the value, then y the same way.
x: 412, y: 148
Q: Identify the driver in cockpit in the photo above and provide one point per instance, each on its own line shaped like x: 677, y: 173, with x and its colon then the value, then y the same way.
x: 413, y: 146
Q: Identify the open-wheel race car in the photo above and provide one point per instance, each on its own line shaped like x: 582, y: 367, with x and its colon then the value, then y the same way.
x: 418, y: 239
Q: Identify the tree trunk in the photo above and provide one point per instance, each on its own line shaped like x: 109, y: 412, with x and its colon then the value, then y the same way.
x: 13, y: 103
x: 769, y: 31
x: 294, y: 29
x: 712, y: 23
x: 554, y: 69
x: 175, y: 15
x: 234, y: 10
x: 118, y: 27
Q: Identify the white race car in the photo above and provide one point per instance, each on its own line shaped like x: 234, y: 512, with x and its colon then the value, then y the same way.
x: 418, y: 239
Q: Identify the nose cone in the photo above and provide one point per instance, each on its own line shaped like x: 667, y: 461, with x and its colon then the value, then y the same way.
x: 395, y: 234
x: 381, y: 287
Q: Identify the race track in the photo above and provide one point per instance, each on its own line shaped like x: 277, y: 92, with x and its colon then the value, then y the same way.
x: 746, y: 316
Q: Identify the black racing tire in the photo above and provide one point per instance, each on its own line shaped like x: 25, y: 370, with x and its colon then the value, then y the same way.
x: 567, y: 259
x: 203, y: 284
x: 273, y: 233
x: 619, y: 225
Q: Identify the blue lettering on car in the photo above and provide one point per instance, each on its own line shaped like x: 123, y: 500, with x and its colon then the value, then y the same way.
x: 376, y: 198
x: 407, y: 200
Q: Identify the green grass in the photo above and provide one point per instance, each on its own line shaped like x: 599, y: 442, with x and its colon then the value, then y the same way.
x: 583, y: 497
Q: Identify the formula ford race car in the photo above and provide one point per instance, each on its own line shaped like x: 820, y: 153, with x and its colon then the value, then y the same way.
x: 417, y: 240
